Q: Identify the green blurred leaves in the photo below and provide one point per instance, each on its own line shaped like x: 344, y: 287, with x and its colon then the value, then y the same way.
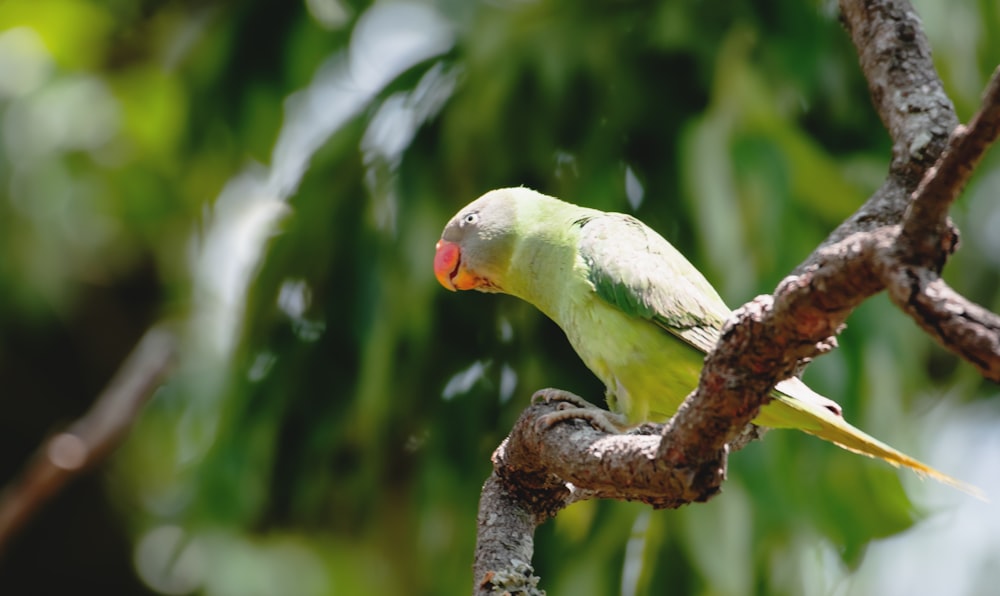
x: 307, y: 441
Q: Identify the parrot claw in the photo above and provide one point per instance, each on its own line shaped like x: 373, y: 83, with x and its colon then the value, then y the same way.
x: 550, y: 395
x: 574, y: 407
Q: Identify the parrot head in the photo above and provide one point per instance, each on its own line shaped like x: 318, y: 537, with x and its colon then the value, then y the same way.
x: 476, y: 246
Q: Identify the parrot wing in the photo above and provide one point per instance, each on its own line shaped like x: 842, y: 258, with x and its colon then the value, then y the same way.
x: 636, y: 270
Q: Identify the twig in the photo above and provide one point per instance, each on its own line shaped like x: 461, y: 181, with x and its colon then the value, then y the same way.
x: 925, y: 235
x: 91, y: 438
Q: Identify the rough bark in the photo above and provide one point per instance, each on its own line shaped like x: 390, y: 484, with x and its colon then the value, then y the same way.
x: 897, y: 241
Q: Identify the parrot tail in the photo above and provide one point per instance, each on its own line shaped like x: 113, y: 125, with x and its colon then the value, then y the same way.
x: 829, y: 426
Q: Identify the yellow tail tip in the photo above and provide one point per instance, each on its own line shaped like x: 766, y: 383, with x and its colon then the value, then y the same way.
x: 924, y: 471
x: 878, y: 450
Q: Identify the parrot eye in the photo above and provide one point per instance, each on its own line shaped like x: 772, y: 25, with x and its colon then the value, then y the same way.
x: 470, y: 219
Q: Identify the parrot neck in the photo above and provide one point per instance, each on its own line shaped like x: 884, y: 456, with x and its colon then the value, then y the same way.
x: 542, y: 272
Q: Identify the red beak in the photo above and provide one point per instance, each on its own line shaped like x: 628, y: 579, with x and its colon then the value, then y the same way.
x: 451, y: 271
x: 447, y: 261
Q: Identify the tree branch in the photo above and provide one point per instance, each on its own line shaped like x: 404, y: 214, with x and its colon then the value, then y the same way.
x: 961, y: 326
x: 540, y: 469
x: 926, y: 231
x: 91, y: 438
x: 899, y: 239
x: 910, y: 267
x: 906, y: 91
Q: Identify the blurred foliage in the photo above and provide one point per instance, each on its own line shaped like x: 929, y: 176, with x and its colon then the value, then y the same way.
x: 334, y: 412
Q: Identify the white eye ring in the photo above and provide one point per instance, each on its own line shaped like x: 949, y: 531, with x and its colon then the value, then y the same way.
x: 470, y: 218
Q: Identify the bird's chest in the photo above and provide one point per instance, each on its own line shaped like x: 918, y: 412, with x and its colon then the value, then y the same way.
x: 646, y: 370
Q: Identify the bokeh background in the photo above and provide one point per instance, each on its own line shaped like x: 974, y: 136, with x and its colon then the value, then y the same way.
x: 269, y: 178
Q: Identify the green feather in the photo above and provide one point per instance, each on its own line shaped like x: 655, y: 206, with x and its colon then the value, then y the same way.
x: 634, y: 268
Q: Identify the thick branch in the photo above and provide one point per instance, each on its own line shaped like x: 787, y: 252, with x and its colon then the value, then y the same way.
x: 506, y: 541
x: 959, y: 325
x: 91, y: 438
x: 768, y: 339
x: 895, y: 57
x: 539, y: 469
x: 732, y: 388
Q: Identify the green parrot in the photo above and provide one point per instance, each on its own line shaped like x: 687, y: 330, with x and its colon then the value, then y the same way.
x: 635, y: 310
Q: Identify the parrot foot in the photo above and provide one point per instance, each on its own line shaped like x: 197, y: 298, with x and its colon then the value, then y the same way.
x: 550, y: 395
x: 574, y: 407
